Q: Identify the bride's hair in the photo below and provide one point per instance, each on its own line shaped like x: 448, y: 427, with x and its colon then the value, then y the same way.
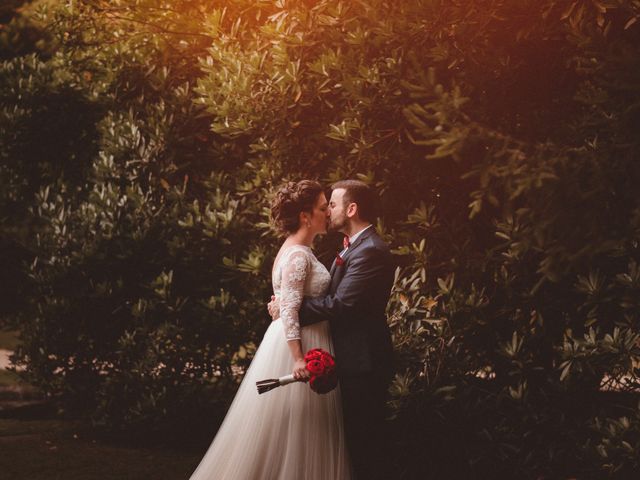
x: 292, y: 198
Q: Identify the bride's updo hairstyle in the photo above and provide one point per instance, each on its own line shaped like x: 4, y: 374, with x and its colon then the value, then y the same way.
x: 290, y: 200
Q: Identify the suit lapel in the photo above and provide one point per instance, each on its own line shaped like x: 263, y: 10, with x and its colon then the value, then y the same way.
x: 333, y: 268
x: 358, y: 241
x: 336, y: 276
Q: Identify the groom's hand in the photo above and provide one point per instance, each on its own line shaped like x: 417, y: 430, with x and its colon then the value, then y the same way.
x: 274, y: 308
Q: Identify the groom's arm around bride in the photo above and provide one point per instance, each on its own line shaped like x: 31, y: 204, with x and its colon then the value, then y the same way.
x: 355, y: 307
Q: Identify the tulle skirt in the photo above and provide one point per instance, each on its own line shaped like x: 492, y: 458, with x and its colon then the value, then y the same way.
x: 289, y: 433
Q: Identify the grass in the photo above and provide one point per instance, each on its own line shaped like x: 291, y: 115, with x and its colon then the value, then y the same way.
x: 8, y: 339
x: 57, y: 450
x: 52, y: 449
x: 9, y: 378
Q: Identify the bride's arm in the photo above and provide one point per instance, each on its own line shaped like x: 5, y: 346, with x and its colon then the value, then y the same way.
x: 294, y: 275
x: 299, y: 365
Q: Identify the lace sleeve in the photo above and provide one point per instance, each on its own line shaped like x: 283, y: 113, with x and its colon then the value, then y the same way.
x: 294, y: 275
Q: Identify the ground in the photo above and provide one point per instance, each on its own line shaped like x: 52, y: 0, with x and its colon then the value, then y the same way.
x: 35, y: 445
x: 54, y: 449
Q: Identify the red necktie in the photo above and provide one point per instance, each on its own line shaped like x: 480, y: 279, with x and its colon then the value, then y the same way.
x: 345, y: 242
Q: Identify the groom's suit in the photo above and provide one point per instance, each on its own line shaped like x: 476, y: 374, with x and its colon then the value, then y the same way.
x: 355, y: 308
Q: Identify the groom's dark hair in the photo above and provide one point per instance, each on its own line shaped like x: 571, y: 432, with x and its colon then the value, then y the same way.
x: 362, y: 195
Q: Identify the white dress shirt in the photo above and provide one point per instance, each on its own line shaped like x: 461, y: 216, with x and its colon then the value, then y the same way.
x: 353, y: 238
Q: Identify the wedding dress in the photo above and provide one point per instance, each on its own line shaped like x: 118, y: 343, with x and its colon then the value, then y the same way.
x: 290, y: 433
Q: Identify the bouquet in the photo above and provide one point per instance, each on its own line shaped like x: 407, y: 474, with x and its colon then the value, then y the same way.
x: 321, y: 366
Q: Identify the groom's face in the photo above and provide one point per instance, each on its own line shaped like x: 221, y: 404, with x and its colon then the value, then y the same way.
x: 336, y: 213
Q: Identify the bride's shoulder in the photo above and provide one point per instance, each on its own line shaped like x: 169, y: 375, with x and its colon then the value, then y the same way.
x: 296, y: 253
x: 296, y: 250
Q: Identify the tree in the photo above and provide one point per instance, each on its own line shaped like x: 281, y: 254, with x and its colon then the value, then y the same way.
x: 502, y: 138
x: 501, y: 135
x: 132, y: 313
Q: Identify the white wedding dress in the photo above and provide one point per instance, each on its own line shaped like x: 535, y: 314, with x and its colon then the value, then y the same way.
x: 289, y: 433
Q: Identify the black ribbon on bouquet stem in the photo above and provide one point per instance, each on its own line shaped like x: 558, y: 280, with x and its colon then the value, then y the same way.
x: 271, y: 383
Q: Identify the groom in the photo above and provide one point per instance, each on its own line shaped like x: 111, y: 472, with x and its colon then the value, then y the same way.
x: 361, y: 280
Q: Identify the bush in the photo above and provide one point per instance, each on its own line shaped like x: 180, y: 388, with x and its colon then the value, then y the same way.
x: 134, y: 314
x: 501, y: 137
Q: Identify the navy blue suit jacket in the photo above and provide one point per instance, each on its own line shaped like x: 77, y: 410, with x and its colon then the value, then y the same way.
x: 355, y: 307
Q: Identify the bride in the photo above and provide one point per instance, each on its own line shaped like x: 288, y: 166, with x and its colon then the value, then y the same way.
x: 289, y: 433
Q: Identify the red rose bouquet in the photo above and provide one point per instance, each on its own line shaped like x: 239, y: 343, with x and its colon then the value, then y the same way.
x: 322, y: 367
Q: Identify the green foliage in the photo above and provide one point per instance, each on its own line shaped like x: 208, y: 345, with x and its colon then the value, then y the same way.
x: 501, y: 135
x: 619, y: 444
x: 129, y: 226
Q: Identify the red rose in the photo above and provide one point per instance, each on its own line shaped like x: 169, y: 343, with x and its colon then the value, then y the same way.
x: 315, y: 367
x: 328, y: 361
x: 315, y: 354
x: 339, y: 261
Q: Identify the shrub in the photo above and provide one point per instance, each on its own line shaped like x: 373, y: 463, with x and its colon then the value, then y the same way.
x: 501, y: 136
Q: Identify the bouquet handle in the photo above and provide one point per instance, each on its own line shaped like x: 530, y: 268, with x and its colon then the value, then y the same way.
x: 271, y: 383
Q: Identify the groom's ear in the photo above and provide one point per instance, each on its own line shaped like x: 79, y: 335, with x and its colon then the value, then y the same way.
x: 352, y: 210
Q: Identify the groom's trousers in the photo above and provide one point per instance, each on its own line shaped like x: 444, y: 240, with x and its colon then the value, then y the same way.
x: 364, y: 409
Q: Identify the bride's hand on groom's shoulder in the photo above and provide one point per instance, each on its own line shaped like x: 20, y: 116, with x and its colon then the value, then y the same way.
x: 274, y: 307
